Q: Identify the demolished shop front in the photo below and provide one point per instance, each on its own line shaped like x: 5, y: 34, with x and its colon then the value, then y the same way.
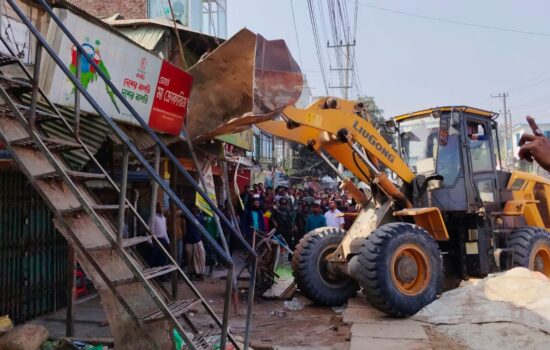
x: 33, y: 254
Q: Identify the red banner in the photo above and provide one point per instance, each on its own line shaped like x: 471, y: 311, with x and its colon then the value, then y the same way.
x: 171, y: 99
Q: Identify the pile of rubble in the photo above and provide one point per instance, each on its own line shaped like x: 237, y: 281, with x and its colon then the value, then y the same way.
x: 36, y: 337
x: 509, y: 310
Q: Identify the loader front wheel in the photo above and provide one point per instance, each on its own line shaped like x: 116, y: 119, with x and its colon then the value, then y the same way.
x: 312, y: 272
x: 531, y: 246
x: 400, y: 269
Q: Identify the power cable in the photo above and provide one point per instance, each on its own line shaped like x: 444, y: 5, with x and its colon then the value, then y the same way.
x: 296, y: 33
x: 317, y: 43
x: 452, y: 21
x: 533, y: 82
x: 325, y: 38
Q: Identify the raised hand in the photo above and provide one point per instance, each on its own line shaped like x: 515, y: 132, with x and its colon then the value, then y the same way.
x: 535, y: 147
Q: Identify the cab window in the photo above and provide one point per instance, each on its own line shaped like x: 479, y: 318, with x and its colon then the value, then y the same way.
x: 479, y: 145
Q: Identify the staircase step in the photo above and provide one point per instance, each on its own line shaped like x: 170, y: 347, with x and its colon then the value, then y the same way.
x: 124, y: 281
x: 154, y: 272
x: 75, y: 175
x: 130, y: 242
x: 6, y: 59
x: 177, y: 308
x: 96, y: 207
x: 41, y: 115
x: 16, y: 86
x: 126, y: 243
x: 53, y: 144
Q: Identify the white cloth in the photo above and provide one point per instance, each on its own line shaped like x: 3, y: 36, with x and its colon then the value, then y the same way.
x: 158, y: 227
x: 333, y: 218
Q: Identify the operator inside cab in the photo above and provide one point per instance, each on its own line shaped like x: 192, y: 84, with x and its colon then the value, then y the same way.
x: 479, y: 146
x: 474, y: 132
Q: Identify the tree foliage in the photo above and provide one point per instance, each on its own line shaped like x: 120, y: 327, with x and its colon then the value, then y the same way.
x: 377, y: 118
x: 306, y: 163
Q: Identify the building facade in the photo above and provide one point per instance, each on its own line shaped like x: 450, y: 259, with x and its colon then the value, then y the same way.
x: 205, y: 16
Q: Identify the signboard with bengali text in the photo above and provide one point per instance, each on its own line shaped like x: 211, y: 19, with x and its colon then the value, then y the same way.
x: 156, y: 89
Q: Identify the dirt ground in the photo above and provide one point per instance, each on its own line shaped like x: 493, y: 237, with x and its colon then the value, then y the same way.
x: 312, y: 326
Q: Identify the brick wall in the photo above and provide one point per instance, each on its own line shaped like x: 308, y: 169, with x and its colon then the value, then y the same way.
x: 129, y: 9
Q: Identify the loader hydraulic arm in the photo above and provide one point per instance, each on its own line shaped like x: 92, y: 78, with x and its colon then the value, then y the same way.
x: 342, y: 124
x: 312, y: 138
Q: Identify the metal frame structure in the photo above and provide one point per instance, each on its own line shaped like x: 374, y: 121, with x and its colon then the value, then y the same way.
x: 52, y: 150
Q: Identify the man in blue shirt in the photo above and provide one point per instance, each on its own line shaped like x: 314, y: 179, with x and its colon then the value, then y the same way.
x: 315, y: 220
x: 253, y: 219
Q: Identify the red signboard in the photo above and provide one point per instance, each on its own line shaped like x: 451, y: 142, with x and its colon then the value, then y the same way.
x: 171, y: 99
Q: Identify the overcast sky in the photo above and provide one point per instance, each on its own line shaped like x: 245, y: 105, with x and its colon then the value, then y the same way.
x: 409, y: 63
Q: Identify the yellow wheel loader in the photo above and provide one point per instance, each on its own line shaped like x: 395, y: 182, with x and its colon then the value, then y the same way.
x: 451, y: 213
x: 442, y: 207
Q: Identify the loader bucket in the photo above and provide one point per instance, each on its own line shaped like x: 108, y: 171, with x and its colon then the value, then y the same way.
x: 246, y: 80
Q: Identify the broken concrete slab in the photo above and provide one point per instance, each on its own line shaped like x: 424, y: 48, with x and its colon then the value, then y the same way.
x: 282, y: 289
x: 362, y: 343
x: 363, y: 314
x: 358, y: 302
x: 396, y: 329
x: 26, y: 337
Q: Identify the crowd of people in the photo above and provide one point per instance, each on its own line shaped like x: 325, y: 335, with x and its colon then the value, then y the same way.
x: 293, y: 212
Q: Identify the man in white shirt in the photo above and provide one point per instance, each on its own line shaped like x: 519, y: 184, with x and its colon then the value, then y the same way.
x: 334, y: 216
x: 158, y: 229
x: 158, y: 225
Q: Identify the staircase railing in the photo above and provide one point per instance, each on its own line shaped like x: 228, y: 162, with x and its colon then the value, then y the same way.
x: 129, y: 147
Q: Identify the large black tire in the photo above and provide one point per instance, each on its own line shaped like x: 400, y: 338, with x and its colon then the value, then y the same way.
x: 531, y: 246
x: 310, y: 271
x: 400, y: 269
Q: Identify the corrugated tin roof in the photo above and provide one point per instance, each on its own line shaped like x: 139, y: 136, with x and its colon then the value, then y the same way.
x: 93, y: 132
x: 141, y: 139
x: 146, y: 36
x: 163, y: 22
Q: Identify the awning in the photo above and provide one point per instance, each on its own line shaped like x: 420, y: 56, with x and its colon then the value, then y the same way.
x: 146, y: 36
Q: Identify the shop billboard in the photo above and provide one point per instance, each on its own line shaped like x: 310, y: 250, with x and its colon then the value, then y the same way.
x: 156, y: 89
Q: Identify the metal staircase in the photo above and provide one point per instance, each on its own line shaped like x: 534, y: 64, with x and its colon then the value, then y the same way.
x: 141, y: 312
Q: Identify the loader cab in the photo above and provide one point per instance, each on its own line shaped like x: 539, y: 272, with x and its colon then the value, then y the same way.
x: 459, y: 144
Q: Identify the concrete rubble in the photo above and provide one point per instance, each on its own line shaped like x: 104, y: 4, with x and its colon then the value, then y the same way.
x: 26, y: 337
x: 510, y: 310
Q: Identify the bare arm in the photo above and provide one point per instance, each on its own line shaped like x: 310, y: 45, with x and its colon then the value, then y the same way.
x: 535, y: 147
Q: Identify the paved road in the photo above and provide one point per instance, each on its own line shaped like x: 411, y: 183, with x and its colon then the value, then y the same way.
x: 372, y: 329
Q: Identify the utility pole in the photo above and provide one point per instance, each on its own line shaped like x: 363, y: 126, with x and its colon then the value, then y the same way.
x: 509, y: 157
x: 346, y: 69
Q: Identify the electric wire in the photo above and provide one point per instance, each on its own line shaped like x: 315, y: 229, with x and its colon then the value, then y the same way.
x: 325, y: 39
x: 317, y: 43
x: 452, y: 21
x: 296, y: 33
